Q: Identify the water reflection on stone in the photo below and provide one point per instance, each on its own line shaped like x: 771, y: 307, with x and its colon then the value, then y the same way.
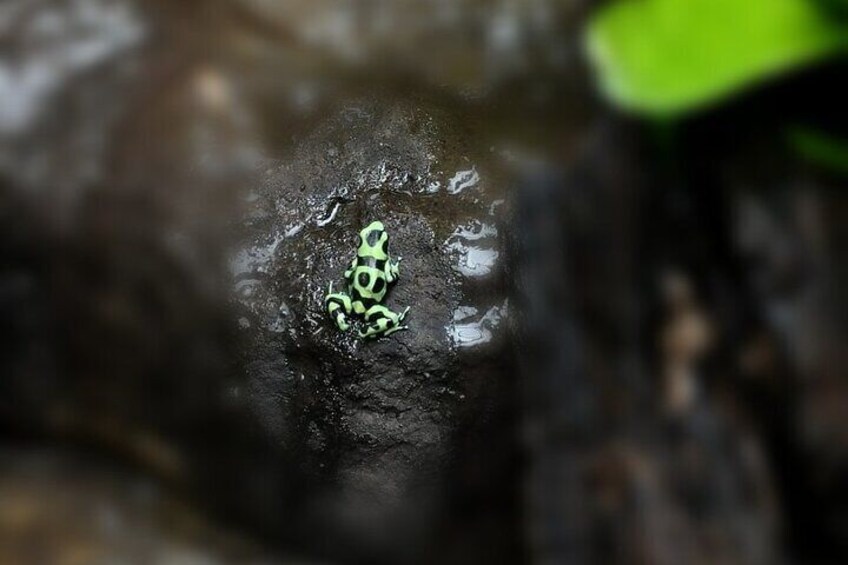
x: 477, y: 259
x: 468, y: 332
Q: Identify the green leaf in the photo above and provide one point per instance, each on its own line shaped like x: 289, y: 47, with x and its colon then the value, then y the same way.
x: 665, y: 57
x: 821, y: 149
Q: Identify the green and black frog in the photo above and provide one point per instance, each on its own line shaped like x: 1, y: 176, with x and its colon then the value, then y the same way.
x: 368, y: 278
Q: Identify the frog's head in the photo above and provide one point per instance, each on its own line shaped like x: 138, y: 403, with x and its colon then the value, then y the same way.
x: 374, y: 242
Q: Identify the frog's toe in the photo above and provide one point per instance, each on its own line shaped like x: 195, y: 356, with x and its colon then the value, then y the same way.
x: 390, y: 331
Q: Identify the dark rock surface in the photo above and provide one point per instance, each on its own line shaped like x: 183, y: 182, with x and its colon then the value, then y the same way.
x: 634, y: 456
x: 375, y: 425
x: 62, y: 507
x: 162, y: 298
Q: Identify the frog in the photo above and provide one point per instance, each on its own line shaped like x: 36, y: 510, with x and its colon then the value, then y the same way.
x: 368, y: 277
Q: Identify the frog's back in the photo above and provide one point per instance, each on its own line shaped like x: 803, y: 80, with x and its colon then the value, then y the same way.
x: 369, y: 285
x: 369, y: 279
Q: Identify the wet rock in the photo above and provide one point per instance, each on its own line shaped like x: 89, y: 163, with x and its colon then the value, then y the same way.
x: 119, y: 334
x: 61, y: 76
x: 374, y: 424
x: 116, y: 218
x: 468, y: 47
x: 64, y: 508
x: 114, y: 237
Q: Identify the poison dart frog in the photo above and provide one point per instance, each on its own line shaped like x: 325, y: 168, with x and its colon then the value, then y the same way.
x: 368, y: 278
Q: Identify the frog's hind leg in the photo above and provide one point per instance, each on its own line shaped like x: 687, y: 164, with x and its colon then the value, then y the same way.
x: 338, y: 307
x: 394, y: 329
x: 375, y: 329
x: 397, y: 327
x: 382, y: 321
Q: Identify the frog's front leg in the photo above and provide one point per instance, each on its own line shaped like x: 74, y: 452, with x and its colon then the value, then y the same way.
x: 392, y: 270
x: 348, y: 275
x: 382, y: 321
x: 338, y: 307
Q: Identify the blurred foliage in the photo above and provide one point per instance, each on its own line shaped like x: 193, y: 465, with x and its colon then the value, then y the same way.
x: 666, y: 57
x: 834, y: 8
x: 821, y: 149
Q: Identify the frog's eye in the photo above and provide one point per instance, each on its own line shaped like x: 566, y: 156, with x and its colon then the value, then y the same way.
x: 378, y: 285
x: 364, y: 279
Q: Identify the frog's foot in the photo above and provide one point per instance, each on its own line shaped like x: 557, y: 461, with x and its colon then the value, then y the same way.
x: 338, y: 307
x: 382, y: 321
x: 398, y: 328
x: 390, y: 331
x: 393, y: 270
